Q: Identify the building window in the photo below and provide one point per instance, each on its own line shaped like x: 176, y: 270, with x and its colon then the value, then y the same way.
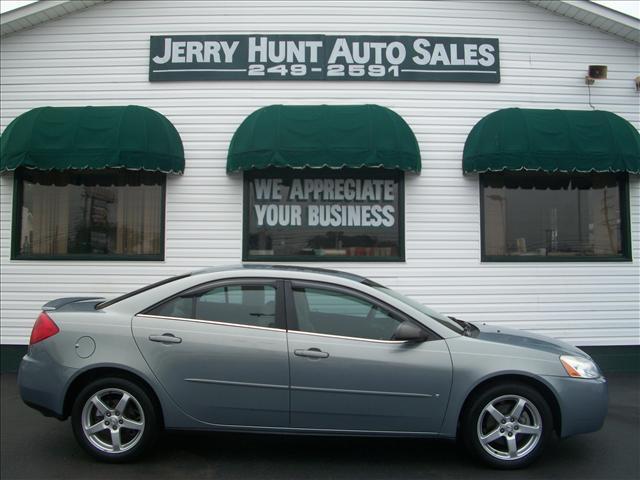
x: 324, y: 215
x: 554, y: 216
x: 101, y: 215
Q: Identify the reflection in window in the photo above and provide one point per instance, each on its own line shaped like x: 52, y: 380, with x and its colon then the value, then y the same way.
x: 336, y: 313
x: 101, y: 213
x: 253, y: 305
x: 553, y: 215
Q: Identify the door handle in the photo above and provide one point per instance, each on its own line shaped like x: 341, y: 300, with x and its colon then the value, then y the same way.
x: 165, y: 338
x: 311, y: 353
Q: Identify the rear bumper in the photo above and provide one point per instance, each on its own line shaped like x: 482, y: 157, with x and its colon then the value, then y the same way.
x: 42, y: 385
x: 583, y: 403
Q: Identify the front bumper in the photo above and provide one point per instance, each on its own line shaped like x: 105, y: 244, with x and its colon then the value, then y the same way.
x: 583, y: 403
x: 42, y: 385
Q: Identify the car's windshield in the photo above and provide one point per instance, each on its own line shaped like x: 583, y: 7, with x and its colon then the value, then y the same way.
x: 438, y: 317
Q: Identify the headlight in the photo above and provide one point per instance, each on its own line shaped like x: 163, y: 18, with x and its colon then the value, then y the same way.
x: 579, y: 367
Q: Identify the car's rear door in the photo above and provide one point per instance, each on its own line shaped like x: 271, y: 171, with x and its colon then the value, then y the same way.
x: 220, y: 351
x: 347, y: 373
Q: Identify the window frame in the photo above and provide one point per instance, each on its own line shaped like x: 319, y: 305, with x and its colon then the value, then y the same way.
x: 276, y: 283
x: 16, y: 229
x: 292, y: 316
x: 285, y: 172
x: 625, y: 228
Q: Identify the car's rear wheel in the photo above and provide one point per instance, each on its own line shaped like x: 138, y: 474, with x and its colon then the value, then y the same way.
x: 507, y: 426
x: 114, y: 419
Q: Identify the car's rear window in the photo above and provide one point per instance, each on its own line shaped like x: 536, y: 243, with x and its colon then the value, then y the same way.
x: 140, y: 290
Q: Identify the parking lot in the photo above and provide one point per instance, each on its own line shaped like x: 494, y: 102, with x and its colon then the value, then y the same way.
x: 36, y: 447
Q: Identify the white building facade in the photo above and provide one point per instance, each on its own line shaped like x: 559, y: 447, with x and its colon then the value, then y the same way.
x: 99, y: 56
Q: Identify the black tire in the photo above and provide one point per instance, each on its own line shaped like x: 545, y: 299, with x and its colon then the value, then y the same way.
x: 136, y: 428
x: 477, y: 421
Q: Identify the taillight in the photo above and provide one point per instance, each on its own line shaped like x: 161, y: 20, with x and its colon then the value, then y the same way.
x: 43, y: 328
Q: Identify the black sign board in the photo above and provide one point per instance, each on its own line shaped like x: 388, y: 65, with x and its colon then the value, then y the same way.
x: 323, y: 57
x: 324, y: 214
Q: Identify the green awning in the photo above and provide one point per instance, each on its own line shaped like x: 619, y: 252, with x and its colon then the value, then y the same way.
x: 318, y: 136
x: 62, y: 138
x: 552, y: 141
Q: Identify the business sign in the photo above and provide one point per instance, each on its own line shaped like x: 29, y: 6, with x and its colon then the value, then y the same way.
x: 324, y: 202
x: 326, y: 213
x: 323, y: 57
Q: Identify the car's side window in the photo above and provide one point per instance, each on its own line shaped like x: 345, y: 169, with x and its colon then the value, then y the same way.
x: 181, y: 307
x: 251, y: 304
x: 331, y: 312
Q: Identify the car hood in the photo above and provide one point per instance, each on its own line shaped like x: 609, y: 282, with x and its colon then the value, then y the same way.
x: 520, y: 338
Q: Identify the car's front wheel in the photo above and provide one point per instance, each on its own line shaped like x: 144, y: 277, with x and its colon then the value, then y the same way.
x: 507, y: 426
x: 114, y: 419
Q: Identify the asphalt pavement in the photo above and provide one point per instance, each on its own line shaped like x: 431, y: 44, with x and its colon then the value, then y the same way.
x: 35, y: 447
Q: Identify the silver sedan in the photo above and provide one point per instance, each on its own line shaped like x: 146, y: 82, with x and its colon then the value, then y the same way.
x: 299, y: 350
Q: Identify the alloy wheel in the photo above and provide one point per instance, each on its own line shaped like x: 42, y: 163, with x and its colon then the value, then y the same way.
x: 113, y: 420
x: 509, y: 427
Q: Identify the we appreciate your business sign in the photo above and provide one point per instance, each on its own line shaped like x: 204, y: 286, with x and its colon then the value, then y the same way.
x: 323, y: 57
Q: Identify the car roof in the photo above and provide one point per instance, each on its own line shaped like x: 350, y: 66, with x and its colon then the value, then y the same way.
x: 239, y: 269
x: 282, y: 268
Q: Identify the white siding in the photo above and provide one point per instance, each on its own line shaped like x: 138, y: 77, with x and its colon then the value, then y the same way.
x: 99, y: 56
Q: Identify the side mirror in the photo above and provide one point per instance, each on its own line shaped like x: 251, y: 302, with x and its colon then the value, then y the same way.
x: 410, y: 332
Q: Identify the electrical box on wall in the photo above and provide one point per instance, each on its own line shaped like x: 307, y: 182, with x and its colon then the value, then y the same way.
x: 598, y: 72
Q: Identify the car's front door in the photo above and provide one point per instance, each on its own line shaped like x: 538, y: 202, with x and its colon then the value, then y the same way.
x: 347, y: 372
x: 220, y: 350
